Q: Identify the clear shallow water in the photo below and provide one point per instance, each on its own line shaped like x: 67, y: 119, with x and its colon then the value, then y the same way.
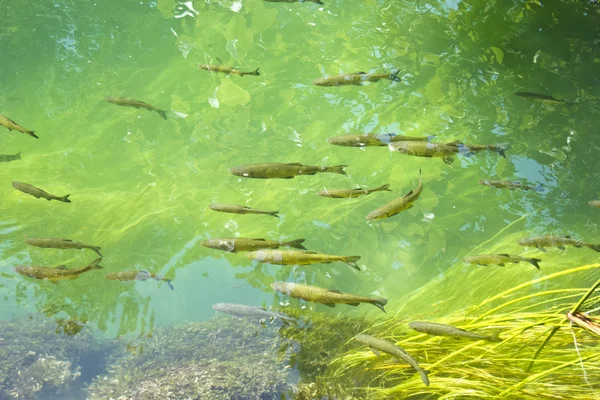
x: 141, y: 186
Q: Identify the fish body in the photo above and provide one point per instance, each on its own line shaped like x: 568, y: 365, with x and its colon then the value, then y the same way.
x: 234, y: 245
x: 13, y: 126
x: 125, y: 102
x: 432, y: 328
x: 295, y: 257
x: 357, y: 78
x: 325, y: 296
x: 374, y: 140
x: 244, y: 311
x: 234, y: 209
x: 398, y: 205
x: 540, y: 97
x: 350, y: 193
x: 541, y: 242
x: 227, y: 70
x: 58, y: 273
x: 426, y: 149
x: 595, y: 203
x: 282, y: 171
x: 470, y: 149
x: 39, y: 193
x: 137, y: 276
x: 500, y: 259
x: 512, y: 185
x: 380, y: 345
x: 10, y: 157
x: 52, y: 243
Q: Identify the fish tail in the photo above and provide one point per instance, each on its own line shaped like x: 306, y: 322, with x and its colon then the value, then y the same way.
x: 394, y: 76
x: 255, y: 72
x: 64, y: 199
x: 384, y: 188
x: 500, y: 148
x: 351, y: 261
x: 162, y: 113
x: 273, y: 214
x: 379, y: 302
x: 168, y: 281
x: 336, y: 169
x: 595, y: 247
x: 319, y: 2
x: 297, y: 244
x: 423, y: 373
x: 495, y: 336
x: 534, y: 262
x: 18, y: 156
x: 95, y: 264
x: 539, y: 188
x: 32, y: 133
x: 96, y: 249
x: 430, y: 137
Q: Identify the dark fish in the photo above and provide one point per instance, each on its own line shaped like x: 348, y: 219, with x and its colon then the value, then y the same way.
x: 53, y: 243
x: 56, y: 274
x: 398, y: 205
x: 125, y: 102
x: 500, y: 259
x: 432, y: 328
x: 512, y: 185
x: 282, y: 171
x: 349, y: 193
x: 233, y: 209
x: 234, y: 245
x: 374, y: 140
x: 295, y: 257
x: 379, y: 345
x: 12, y: 125
x: 540, y: 97
x: 8, y: 157
x: 357, y: 78
x: 39, y: 193
x: 137, y: 276
x: 541, y: 242
x: 227, y: 70
x: 244, y: 311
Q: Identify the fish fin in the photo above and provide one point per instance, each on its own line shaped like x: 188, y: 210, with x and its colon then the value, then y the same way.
x: 335, y: 291
x: 504, y: 254
x: 379, y: 305
x: 376, y: 352
x: 359, y: 73
x: 218, y: 60
x: 168, y: 281
x: 385, y: 188
x: 448, y: 159
x: 455, y: 143
x: 64, y: 199
x: 534, y: 262
x: 64, y: 240
x: 273, y: 214
x: 515, y: 182
x: 353, y: 304
x: 351, y: 261
x: 337, y: 169
x: 408, y: 194
x: 294, y: 163
x: 261, y: 239
x: 162, y: 113
x: 430, y: 137
x: 500, y: 148
x: 319, y: 2
x: 18, y: 155
x: 96, y: 249
x: 310, y: 252
x: 394, y: 76
x: 538, y: 188
x: 255, y: 72
x: 567, y: 236
x: 32, y: 134
x: 500, y: 265
x: 95, y: 264
x: 595, y: 247
x: 287, y: 177
x: 560, y: 247
x: 297, y: 244
x: 495, y: 336
x: 145, y: 271
x: 332, y: 305
x: 61, y: 267
x: 423, y: 374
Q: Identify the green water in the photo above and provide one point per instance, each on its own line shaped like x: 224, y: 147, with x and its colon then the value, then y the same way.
x: 140, y: 186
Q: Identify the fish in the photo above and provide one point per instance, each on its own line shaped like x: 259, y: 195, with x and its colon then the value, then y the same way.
x: 325, y: 296
x: 398, y: 205
x: 295, y: 1
x: 295, y: 257
x: 470, y: 149
x: 244, y: 311
x: 541, y: 242
x: 282, y: 171
x: 595, y: 203
x: 57, y: 274
x: 233, y: 209
x: 432, y: 328
x: 227, y: 70
x: 39, y: 193
x: 426, y: 149
x: 374, y: 140
x: 512, y: 185
x: 137, y: 276
x: 125, y: 102
x: 53, y: 243
x: 540, y: 97
x: 356, y: 78
x: 12, y: 125
x: 10, y: 157
x: 233, y: 245
x: 500, y: 259
x: 379, y: 346
x: 350, y: 193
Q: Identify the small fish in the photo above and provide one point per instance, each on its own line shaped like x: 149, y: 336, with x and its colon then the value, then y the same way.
x: 39, y: 193
x: 227, y: 70
x: 295, y: 1
x: 431, y: 328
x: 53, y: 243
x: 540, y: 97
x: 125, y: 102
x: 56, y: 274
x: 233, y: 209
x: 357, y: 78
x: 325, y: 296
x: 595, y: 203
x: 244, y: 311
x: 398, y: 205
x: 512, y: 185
x: 560, y: 242
x: 137, y: 276
x: 426, y: 149
x: 500, y: 259
x: 233, y: 245
x: 374, y: 140
x: 380, y: 345
x: 470, y: 149
x: 295, y: 257
x: 12, y: 125
x: 350, y: 193
x: 9, y: 157
x: 282, y: 171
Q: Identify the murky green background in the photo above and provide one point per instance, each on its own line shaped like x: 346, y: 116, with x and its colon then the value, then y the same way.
x: 141, y: 186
